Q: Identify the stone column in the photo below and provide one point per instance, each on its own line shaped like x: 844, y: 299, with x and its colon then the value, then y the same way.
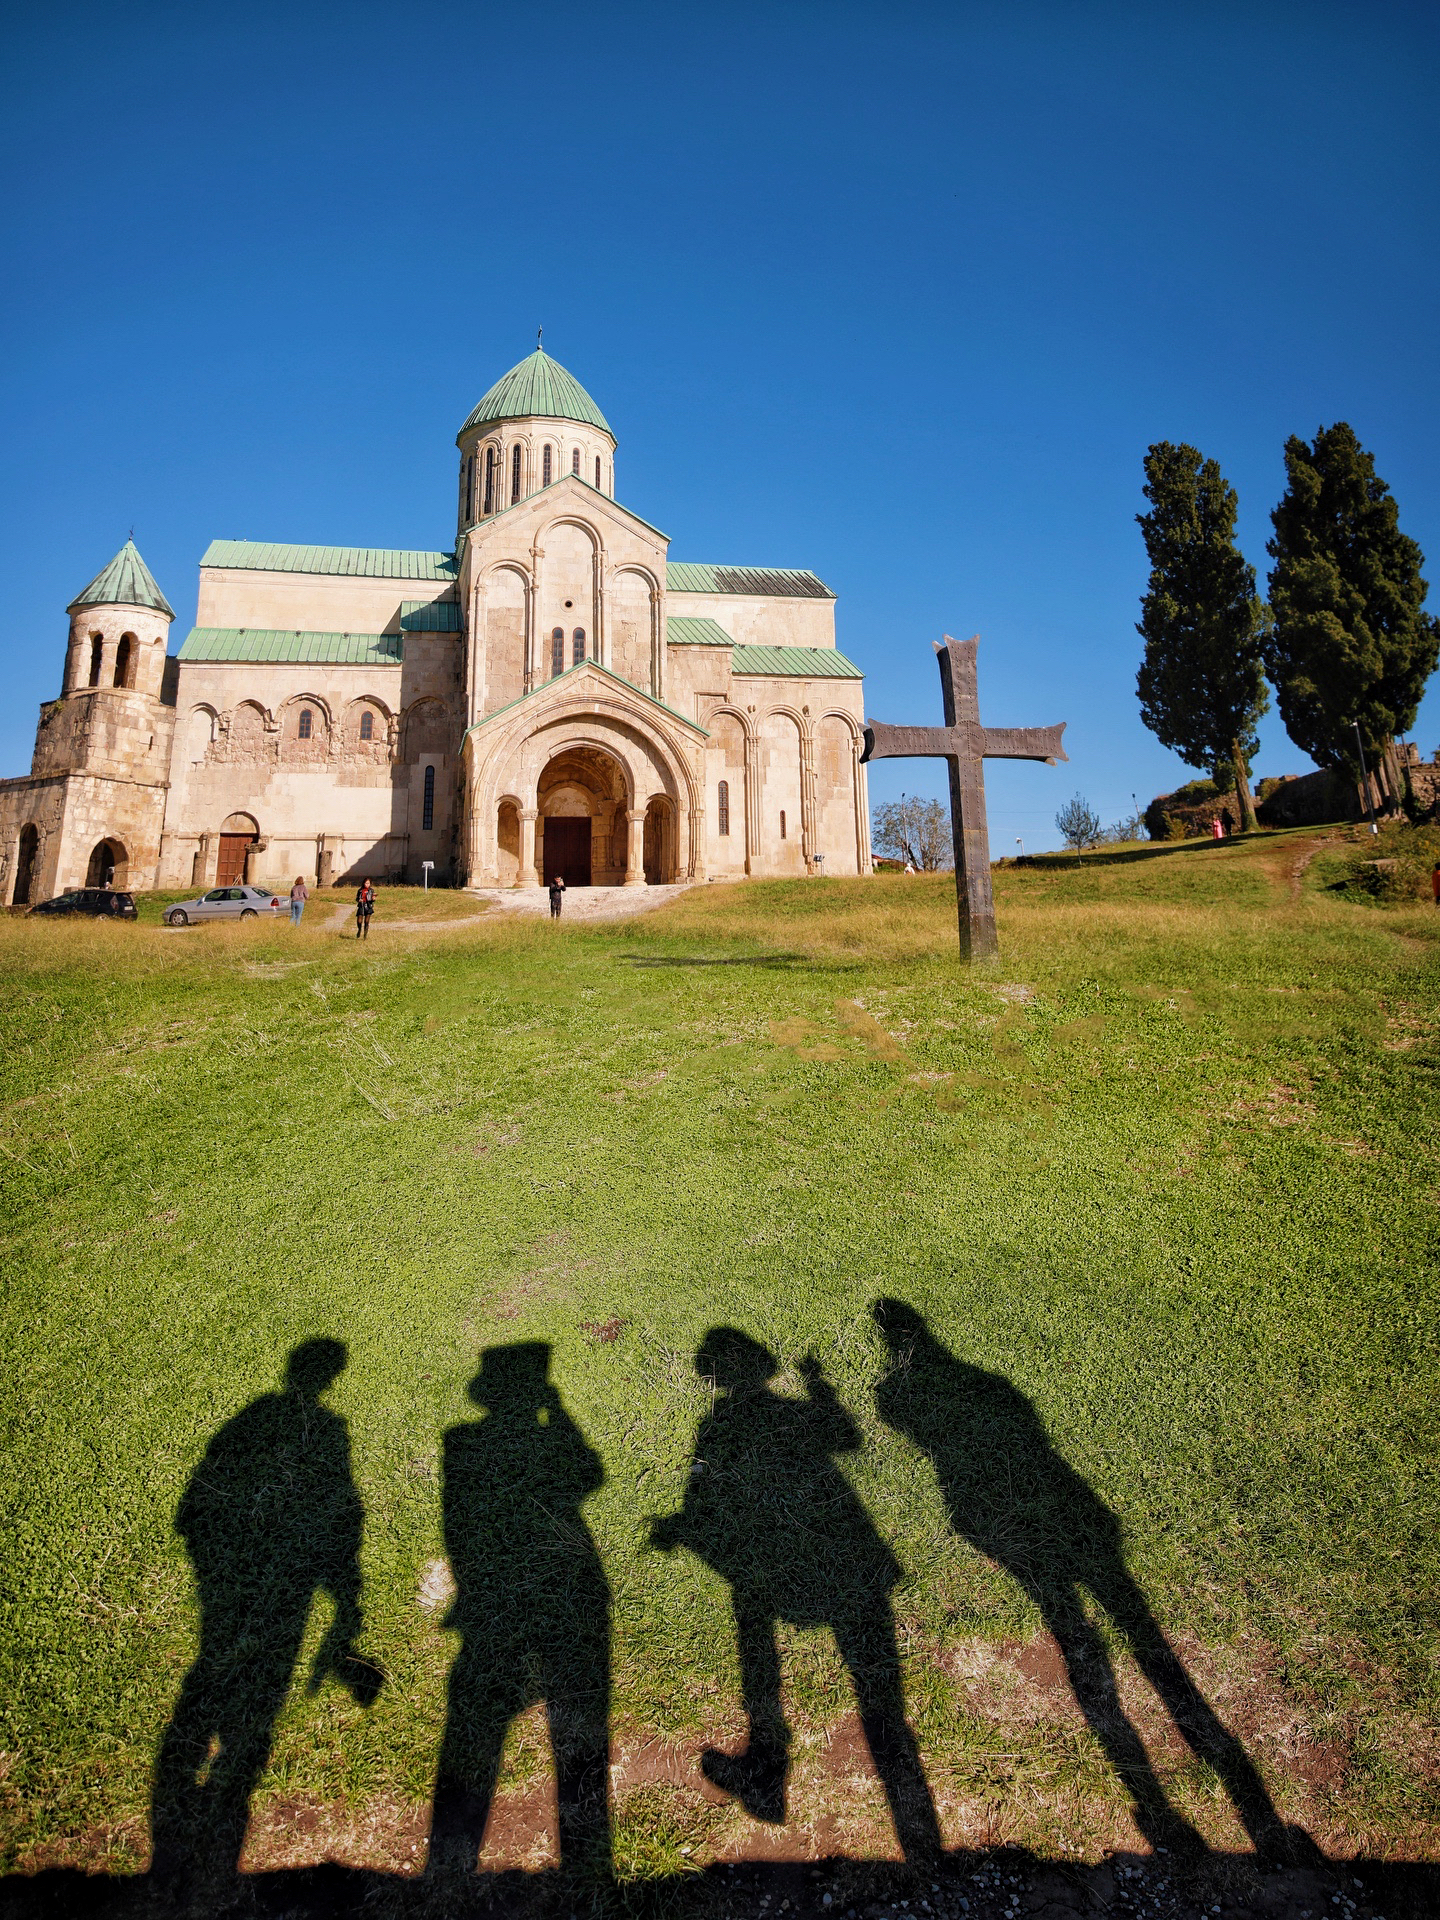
x: 752, y: 798
x: 525, y: 877
x: 807, y: 795
x: 862, y: 813
x: 635, y: 860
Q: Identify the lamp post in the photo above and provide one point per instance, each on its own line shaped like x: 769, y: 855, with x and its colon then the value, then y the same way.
x: 425, y: 866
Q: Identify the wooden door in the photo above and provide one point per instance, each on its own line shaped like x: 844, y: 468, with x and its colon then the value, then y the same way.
x: 567, y: 852
x: 230, y: 866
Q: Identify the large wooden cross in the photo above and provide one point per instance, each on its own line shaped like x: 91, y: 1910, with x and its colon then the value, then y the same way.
x: 966, y: 746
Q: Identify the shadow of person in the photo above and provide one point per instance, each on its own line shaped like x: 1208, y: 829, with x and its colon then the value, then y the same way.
x: 532, y: 1609
x: 1013, y: 1497
x: 270, y: 1517
x: 767, y: 1508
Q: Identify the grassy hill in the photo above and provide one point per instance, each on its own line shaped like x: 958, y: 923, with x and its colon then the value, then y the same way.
x: 1162, y: 1186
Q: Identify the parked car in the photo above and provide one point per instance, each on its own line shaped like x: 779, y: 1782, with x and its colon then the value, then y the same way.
x: 102, y: 902
x: 226, y: 903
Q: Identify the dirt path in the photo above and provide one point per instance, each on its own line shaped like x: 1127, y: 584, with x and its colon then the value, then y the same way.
x: 581, y: 903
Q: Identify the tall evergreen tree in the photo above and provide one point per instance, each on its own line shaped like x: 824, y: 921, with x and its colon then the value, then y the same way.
x: 1350, y: 644
x: 1201, y: 684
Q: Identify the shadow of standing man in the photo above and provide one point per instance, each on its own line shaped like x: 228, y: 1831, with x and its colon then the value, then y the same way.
x: 1017, y: 1501
x: 533, y: 1611
x: 769, y: 1510
x: 271, y: 1516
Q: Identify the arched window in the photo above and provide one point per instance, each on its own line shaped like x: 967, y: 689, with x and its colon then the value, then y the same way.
x: 723, y: 808
x: 428, y: 818
x: 367, y: 726
x: 578, y: 651
x: 124, y: 656
x: 469, y: 489
x: 597, y: 473
x: 575, y: 461
x: 557, y: 651
x: 515, y: 473
x: 307, y: 722
x: 545, y: 468
x: 97, y: 655
x: 489, y: 479
x: 782, y: 823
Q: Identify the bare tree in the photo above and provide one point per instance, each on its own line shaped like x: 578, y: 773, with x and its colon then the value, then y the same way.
x: 915, y: 830
x: 1079, y: 823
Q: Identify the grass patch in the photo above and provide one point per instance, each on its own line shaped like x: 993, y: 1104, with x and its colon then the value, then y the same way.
x: 1167, y: 1175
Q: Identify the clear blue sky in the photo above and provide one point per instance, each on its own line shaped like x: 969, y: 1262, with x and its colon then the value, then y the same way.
x: 898, y: 293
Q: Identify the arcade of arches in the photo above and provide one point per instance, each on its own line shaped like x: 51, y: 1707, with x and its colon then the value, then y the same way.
x: 585, y: 830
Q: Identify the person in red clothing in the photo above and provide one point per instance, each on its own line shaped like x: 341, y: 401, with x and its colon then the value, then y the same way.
x: 364, y: 908
x: 1435, y: 883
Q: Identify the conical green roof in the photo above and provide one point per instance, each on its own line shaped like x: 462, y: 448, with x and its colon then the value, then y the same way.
x: 126, y: 582
x: 539, y: 385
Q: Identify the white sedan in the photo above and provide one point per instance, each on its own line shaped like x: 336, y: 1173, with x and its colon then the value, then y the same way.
x: 226, y: 903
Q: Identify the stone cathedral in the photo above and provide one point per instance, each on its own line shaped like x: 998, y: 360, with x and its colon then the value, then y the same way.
x: 550, y: 694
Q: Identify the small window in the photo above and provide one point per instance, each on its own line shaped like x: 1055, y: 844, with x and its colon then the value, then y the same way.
x: 724, y: 809
x: 367, y: 726
x: 782, y: 823
x: 575, y: 461
x: 545, y: 468
x: 428, y: 818
x: 124, y: 655
x: 578, y: 651
x: 597, y: 473
x: 489, y: 480
x: 306, y: 723
x: 515, y: 473
x: 557, y: 650
x: 97, y: 655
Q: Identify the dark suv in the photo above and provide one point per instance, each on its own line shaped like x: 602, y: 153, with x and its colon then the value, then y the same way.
x: 102, y: 902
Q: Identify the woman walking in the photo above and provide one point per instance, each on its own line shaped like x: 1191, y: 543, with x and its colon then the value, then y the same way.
x: 364, y: 907
x: 299, y: 894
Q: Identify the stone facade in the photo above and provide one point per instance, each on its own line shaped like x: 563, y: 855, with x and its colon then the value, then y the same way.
x: 553, y: 694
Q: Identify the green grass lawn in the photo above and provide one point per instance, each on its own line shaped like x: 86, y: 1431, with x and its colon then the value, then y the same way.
x: 1165, y: 1181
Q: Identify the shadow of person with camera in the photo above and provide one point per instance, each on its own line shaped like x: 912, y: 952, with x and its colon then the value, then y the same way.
x: 532, y: 1609
x: 767, y: 1507
x: 1017, y: 1501
x: 270, y: 1517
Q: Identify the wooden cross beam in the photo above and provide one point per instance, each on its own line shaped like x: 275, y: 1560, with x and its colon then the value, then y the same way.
x: 966, y: 746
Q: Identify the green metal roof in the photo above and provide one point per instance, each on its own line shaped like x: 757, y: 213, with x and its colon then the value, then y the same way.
x: 126, y: 582
x: 537, y: 386
x: 696, y: 630
x: 795, y: 663
x: 374, y: 563
x: 430, y: 616
x: 287, y: 647
x: 783, y: 583
x: 610, y: 674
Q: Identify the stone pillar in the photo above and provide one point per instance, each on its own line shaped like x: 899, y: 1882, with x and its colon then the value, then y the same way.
x: 752, y: 798
x: 635, y: 858
x: 525, y: 876
x: 807, y: 795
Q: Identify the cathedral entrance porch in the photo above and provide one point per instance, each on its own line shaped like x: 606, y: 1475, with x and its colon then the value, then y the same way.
x: 567, y: 851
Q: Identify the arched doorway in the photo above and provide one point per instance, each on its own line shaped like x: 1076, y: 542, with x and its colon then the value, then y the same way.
x: 26, y: 855
x: 109, y: 866
x: 580, y: 828
x: 659, y: 842
x: 237, y: 836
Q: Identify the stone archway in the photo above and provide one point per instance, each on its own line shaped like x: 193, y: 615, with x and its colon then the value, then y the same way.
x: 659, y: 841
x: 580, y: 825
x: 109, y: 866
x: 26, y: 857
x: 238, y: 835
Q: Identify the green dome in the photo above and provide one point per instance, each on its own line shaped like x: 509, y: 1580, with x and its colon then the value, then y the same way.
x: 538, y: 386
x: 126, y: 582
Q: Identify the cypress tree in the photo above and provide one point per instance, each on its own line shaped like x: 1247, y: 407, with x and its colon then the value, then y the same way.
x: 1201, y: 684
x: 1350, y: 643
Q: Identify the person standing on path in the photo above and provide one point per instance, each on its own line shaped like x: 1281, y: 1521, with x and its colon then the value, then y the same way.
x: 299, y: 894
x: 557, y: 896
x: 364, y: 907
